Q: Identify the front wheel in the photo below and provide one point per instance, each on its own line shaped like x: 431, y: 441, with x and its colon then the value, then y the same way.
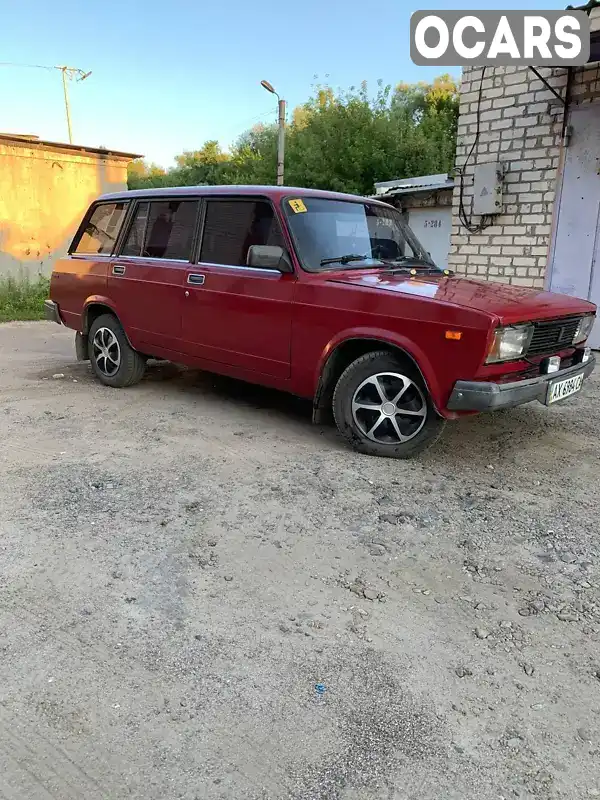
x: 382, y: 407
x: 113, y: 359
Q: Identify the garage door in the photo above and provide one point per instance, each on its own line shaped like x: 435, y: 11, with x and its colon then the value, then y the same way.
x: 432, y: 227
x: 575, y: 265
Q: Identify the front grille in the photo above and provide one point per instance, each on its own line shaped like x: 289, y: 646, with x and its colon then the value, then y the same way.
x: 550, y: 336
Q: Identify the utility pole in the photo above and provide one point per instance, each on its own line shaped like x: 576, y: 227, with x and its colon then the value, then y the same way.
x: 67, y: 110
x: 70, y: 73
x: 67, y: 72
x: 281, y: 132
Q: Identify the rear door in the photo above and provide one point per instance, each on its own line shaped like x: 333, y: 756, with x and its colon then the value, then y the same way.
x: 89, y: 260
x: 146, y: 280
x: 234, y: 314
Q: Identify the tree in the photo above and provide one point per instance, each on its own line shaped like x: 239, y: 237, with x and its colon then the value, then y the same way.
x: 200, y: 167
x: 339, y: 145
x: 137, y: 169
x: 254, y: 156
x: 344, y: 141
x: 348, y: 141
x: 210, y: 153
x: 140, y: 174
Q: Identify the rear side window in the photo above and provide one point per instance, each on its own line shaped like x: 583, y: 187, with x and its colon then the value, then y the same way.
x: 232, y: 226
x: 162, y: 229
x: 101, y: 230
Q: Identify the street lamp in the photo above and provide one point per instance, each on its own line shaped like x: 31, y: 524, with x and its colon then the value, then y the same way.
x: 281, y: 136
x: 80, y: 75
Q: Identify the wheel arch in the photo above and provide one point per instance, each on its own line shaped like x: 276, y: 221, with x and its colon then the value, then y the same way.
x: 131, y: 360
x: 94, y: 307
x: 338, y: 355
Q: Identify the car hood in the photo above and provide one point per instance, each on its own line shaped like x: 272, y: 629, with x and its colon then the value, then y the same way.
x: 508, y: 303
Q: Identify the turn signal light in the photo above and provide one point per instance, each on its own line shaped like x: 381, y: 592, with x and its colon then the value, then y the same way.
x: 454, y: 335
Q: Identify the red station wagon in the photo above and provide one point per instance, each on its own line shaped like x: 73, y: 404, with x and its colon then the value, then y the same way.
x: 328, y: 296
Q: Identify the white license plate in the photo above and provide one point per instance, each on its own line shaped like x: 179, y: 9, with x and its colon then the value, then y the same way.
x: 561, y: 389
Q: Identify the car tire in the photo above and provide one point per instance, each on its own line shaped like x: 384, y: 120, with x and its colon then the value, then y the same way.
x: 381, y: 405
x: 114, y: 361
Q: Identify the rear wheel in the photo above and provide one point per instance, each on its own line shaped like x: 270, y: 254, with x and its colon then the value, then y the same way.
x: 382, y: 407
x: 113, y: 359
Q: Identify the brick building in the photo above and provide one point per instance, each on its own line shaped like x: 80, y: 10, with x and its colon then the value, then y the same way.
x: 542, y: 129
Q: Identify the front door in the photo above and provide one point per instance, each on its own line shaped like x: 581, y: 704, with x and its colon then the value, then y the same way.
x: 575, y: 264
x: 234, y: 314
x: 147, y: 279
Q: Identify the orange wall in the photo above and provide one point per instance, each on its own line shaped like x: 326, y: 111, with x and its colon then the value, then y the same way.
x: 44, y: 193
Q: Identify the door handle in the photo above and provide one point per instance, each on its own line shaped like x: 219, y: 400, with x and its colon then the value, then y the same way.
x: 118, y: 269
x: 195, y: 279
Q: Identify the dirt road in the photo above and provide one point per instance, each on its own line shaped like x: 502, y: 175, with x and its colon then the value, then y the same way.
x: 183, y: 562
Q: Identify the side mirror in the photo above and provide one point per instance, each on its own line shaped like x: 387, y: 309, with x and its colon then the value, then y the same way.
x: 266, y: 256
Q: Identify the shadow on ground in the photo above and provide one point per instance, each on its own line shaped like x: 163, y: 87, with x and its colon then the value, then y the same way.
x: 501, y: 433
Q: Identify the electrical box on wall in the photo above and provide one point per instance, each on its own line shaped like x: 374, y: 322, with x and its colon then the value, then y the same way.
x: 487, y: 196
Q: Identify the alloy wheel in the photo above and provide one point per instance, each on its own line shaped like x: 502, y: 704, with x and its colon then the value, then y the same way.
x: 389, y: 408
x: 107, y: 352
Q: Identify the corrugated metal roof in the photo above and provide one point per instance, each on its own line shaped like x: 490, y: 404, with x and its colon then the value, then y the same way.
x: 34, y: 141
x: 423, y: 183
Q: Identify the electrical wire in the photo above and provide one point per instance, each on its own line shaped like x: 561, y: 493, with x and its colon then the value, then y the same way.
x: 246, y: 122
x: 466, y: 220
x: 261, y: 116
x: 33, y: 66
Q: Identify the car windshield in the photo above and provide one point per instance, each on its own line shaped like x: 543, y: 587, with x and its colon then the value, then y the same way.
x: 342, y: 234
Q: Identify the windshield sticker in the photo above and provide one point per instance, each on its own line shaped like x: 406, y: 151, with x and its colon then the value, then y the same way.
x: 297, y: 206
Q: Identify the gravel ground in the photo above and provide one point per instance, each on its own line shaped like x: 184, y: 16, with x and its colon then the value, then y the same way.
x: 185, y: 562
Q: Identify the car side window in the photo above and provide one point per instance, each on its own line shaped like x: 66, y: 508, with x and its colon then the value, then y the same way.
x: 162, y: 229
x: 101, y: 230
x: 232, y: 226
x: 137, y: 231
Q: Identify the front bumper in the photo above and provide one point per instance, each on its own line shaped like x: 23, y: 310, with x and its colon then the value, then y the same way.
x: 481, y: 396
x: 52, y: 312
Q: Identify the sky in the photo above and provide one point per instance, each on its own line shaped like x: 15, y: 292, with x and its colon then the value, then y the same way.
x: 167, y: 76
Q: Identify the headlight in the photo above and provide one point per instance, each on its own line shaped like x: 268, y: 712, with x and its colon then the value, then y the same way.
x: 584, y: 329
x: 510, y: 343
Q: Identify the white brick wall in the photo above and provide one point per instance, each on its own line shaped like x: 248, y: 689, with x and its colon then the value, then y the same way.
x: 521, y: 126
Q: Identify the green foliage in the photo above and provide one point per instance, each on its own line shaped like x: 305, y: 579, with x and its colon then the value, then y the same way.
x: 197, y: 167
x: 24, y: 299
x: 141, y: 175
x: 254, y: 156
x: 343, y: 141
x: 210, y: 153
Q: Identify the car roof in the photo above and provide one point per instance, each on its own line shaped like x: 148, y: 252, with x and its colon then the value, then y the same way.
x: 274, y: 192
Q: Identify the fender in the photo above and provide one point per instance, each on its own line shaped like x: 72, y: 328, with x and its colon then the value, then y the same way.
x: 384, y: 336
x: 81, y: 338
x: 104, y: 301
x: 95, y: 299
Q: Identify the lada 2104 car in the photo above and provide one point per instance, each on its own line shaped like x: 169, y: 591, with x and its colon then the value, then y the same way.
x: 328, y: 296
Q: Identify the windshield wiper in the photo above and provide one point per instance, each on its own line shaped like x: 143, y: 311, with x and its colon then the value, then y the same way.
x: 343, y: 259
x: 414, y: 260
